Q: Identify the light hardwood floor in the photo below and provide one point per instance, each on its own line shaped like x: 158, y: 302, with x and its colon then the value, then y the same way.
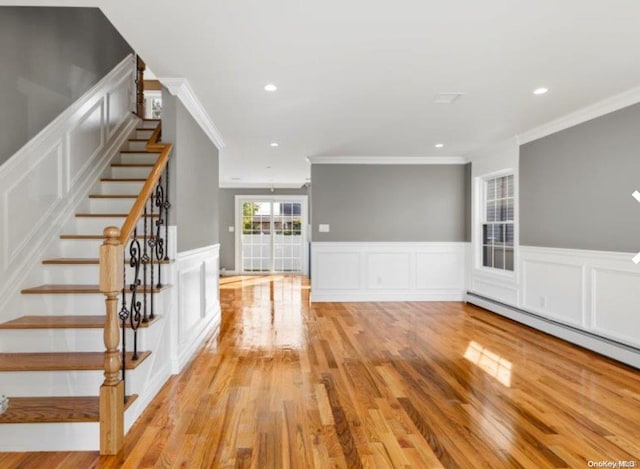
x: 422, y: 385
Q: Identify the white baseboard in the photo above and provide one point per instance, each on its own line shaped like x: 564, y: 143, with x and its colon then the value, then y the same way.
x: 601, y: 345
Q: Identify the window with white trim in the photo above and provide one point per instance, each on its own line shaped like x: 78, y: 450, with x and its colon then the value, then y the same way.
x: 497, y: 226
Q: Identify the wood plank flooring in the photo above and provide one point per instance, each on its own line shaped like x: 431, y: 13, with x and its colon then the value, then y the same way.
x: 420, y: 385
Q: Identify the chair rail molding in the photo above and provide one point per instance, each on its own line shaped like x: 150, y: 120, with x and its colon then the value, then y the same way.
x: 181, y: 88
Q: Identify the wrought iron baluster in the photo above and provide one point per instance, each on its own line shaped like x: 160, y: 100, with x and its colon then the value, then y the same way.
x: 135, y: 317
x: 145, y: 261
x: 152, y: 250
x: 159, y: 244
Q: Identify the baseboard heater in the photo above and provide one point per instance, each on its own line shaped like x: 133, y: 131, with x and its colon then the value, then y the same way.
x: 597, y: 343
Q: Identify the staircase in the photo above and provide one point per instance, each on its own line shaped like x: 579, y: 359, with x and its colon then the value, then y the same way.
x: 52, y: 357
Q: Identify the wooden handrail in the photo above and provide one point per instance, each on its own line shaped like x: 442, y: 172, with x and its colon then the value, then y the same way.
x: 111, y: 284
x: 138, y: 207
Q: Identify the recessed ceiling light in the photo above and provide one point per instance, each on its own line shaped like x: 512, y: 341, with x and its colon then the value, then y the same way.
x: 270, y: 87
x: 540, y: 91
x: 274, y: 144
x: 439, y: 145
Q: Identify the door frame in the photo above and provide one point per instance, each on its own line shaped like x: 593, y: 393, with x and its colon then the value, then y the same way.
x: 241, y: 198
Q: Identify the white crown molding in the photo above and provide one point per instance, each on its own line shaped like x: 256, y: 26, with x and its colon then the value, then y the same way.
x: 181, y: 88
x: 606, y: 106
x: 259, y: 185
x: 391, y: 160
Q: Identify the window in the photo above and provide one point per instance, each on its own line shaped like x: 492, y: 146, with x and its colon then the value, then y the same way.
x: 497, y: 229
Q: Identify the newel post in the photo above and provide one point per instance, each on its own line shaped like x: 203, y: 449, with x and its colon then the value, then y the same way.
x: 112, y: 390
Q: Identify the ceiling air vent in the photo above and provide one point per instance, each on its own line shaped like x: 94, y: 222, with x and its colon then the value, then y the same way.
x: 447, y: 98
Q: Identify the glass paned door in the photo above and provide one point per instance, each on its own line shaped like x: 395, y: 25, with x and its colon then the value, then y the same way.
x: 256, y: 236
x: 272, y: 235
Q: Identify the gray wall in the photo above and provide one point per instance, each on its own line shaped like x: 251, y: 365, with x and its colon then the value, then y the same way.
x: 227, y: 219
x: 576, y: 186
x: 49, y: 57
x: 193, y: 181
x: 389, y: 202
x: 197, y: 184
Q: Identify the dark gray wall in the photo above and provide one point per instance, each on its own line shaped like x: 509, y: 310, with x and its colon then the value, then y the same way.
x: 49, y: 57
x: 389, y: 202
x: 576, y: 186
x: 227, y: 199
x: 196, y: 184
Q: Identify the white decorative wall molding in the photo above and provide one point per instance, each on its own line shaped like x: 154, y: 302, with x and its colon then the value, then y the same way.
x: 260, y: 185
x: 197, y: 274
x: 402, y: 160
x: 181, y: 88
x: 42, y: 184
x: 387, y: 271
x: 606, y: 106
x: 597, y: 292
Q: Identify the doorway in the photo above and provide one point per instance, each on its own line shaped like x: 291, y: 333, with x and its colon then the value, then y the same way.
x: 271, y: 234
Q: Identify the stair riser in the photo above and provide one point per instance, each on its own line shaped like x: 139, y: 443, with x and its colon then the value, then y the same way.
x: 81, y: 248
x: 68, y: 383
x: 146, y: 134
x: 111, y: 205
x: 139, y: 158
x: 137, y: 146
x: 83, y: 436
x: 148, y: 124
x: 121, y: 188
x: 73, y: 304
x: 130, y: 172
x: 51, y: 383
x: 77, y: 274
x: 61, y: 340
x: 91, y: 225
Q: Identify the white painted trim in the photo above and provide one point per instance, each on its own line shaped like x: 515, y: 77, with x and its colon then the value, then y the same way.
x: 606, y: 106
x: 181, y: 88
x: 260, y: 185
x: 603, y: 346
x: 212, y: 249
x: 389, y: 160
x: 44, y: 224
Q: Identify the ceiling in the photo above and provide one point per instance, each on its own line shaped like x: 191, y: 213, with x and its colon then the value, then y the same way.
x: 358, y: 77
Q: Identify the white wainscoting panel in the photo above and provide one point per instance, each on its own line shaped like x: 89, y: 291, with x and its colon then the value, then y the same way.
x: 42, y: 184
x: 595, y: 291
x: 388, y: 271
x: 615, y: 303
x: 554, y: 289
x: 198, y: 300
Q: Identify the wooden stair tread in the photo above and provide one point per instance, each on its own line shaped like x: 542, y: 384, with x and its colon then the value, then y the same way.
x: 62, y: 409
x: 110, y: 215
x: 131, y: 165
x: 86, y: 261
x: 62, y: 322
x: 109, y: 196
x: 139, y: 139
x: 123, y: 180
x: 60, y: 289
x: 62, y: 361
x: 154, y: 152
